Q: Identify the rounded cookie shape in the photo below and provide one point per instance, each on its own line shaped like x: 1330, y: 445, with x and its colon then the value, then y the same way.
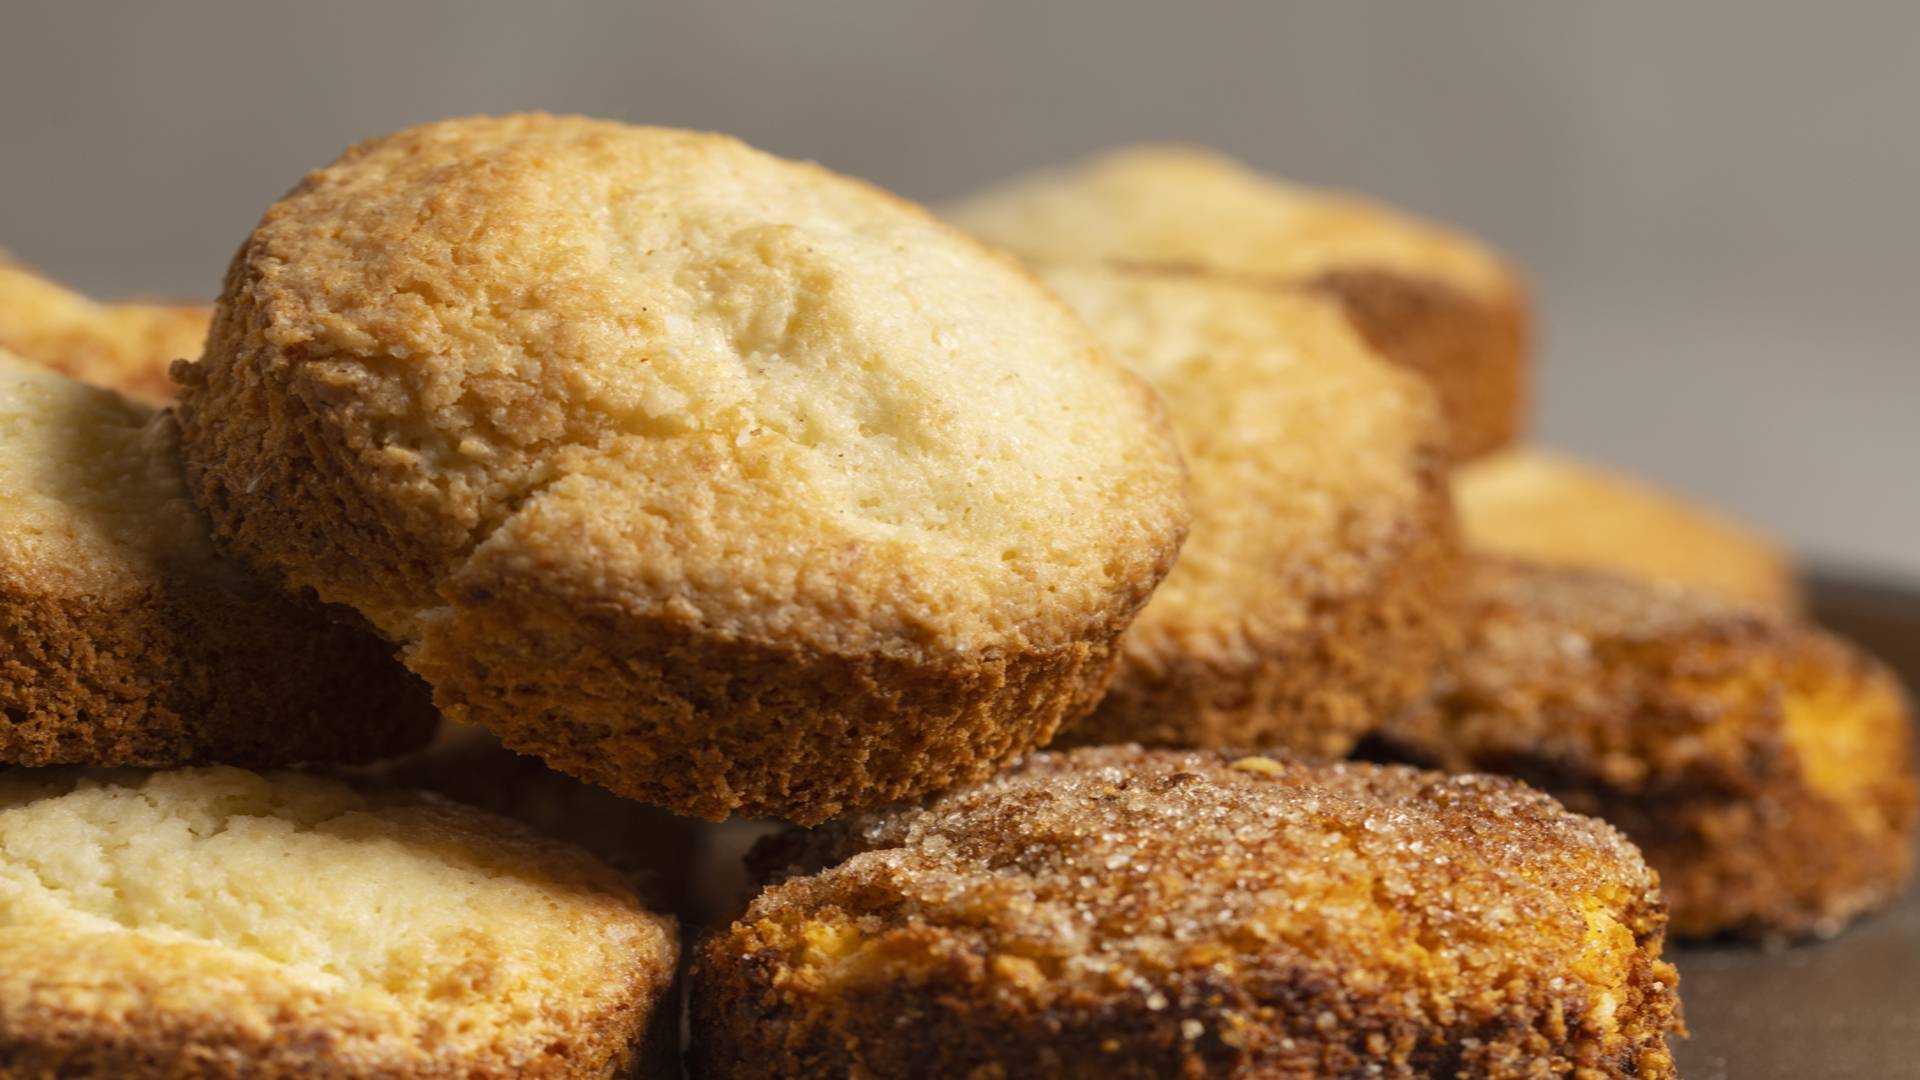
x: 1114, y: 912
x: 722, y: 481
x: 124, y: 638
x: 1764, y: 767
x: 1428, y: 298
x: 126, y: 347
x: 222, y: 923
x: 1546, y: 507
x: 1320, y: 582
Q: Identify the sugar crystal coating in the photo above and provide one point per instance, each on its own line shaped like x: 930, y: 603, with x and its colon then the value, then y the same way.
x: 1115, y: 910
x: 1763, y: 766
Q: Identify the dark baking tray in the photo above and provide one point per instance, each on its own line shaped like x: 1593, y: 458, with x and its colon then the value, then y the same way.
x: 1830, y: 1010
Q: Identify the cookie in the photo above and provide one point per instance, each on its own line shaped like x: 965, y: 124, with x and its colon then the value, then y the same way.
x: 1426, y: 297
x: 1320, y: 581
x: 124, y: 638
x: 1543, y: 506
x: 721, y: 481
x: 1765, y: 767
x: 1114, y: 912
x: 126, y: 347
x: 222, y: 923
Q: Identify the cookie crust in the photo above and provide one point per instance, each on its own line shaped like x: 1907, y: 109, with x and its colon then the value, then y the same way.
x: 122, y: 991
x: 741, y: 451
x: 125, y: 641
x: 1119, y: 912
x: 1765, y: 768
x: 1320, y: 582
x: 1316, y: 691
x: 1433, y: 300
x: 1474, y: 350
x: 1546, y: 507
x: 127, y: 347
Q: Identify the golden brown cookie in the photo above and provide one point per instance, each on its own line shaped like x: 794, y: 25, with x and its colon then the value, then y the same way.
x: 1539, y: 505
x: 1320, y: 581
x: 222, y: 923
x: 126, y: 347
x: 124, y: 640
x: 718, y: 480
x: 1764, y: 767
x: 1114, y: 912
x: 467, y: 764
x: 1426, y: 297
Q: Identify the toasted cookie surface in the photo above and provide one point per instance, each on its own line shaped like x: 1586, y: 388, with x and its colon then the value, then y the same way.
x: 1426, y: 297
x: 1119, y: 912
x: 1550, y: 508
x: 1764, y: 767
x: 124, y: 639
x: 216, y: 922
x: 127, y: 347
x: 719, y: 480
x: 1320, y: 580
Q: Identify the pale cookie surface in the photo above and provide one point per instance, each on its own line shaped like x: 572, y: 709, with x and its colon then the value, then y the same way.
x: 1114, y: 912
x: 717, y: 479
x: 1429, y: 298
x: 127, y: 347
x: 217, y: 922
x: 124, y: 639
x: 1320, y: 581
x: 1539, y: 505
x: 1765, y: 767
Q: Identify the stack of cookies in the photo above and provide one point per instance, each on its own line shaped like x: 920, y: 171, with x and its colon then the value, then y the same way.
x: 673, y: 482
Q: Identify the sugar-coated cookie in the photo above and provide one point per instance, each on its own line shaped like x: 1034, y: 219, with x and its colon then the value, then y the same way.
x: 1114, y: 912
x: 1765, y: 767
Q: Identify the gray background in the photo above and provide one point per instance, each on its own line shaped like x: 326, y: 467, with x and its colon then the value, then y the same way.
x: 1715, y: 200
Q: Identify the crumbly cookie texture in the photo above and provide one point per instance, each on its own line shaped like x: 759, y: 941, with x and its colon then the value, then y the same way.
x: 1320, y: 582
x: 1536, y: 504
x: 1121, y: 912
x: 1426, y: 297
x: 126, y: 347
x: 217, y: 922
x: 124, y: 639
x: 1765, y: 768
x: 720, y: 480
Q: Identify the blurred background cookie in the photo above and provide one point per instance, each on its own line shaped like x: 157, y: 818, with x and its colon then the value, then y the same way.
x: 127, y: 347
x: 1765, y: 768
x: 1114, y: 912
x: 718, y: 480
x: 1320, y: 580
x: 124, y: 639
x: 222, y: 922
x: 1426, y: 297
x: 1540, y: 505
